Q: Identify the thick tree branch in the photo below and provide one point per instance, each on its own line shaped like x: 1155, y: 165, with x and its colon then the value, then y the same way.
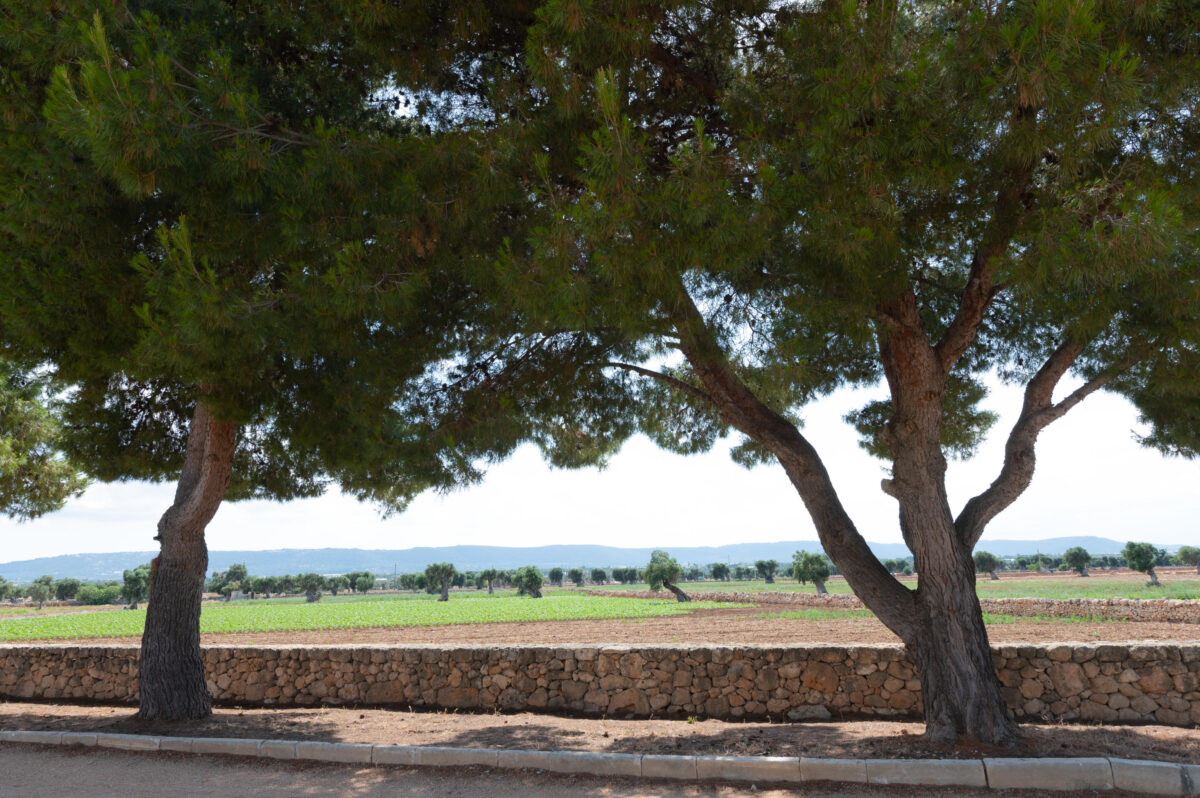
x: 739, y: 407
x: 658, y: 375
x: 1037, y: 412
x: 980, y: 290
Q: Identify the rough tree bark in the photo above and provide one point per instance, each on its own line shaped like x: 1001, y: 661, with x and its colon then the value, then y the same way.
x: 171, y: 684
x: 445, y: 590
x: 679, y: 594
x: 820, y: 585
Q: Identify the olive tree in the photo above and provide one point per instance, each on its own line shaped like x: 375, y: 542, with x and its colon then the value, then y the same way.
x: 809, y: 567
x: 1077, y: 559
x: 39, y: 592
x: 986, y: 563
x: 663, y: 571
x: 528, y: 581
x: 1189, y: 555
x: 766, y: 569
x: 1140, y: 557
x: 720, y: 571
x: 438, y: 576
x: 576, y: 575
x: 312, y: 585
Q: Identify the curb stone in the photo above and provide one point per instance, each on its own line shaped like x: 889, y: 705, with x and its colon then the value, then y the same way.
x: 1085, y: 773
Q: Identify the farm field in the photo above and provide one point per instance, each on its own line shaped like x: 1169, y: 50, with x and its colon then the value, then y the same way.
x: 1178, y: 583
x: 350, y: 613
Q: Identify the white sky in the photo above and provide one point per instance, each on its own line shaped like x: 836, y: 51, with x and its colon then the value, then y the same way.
x: 1092, y: 479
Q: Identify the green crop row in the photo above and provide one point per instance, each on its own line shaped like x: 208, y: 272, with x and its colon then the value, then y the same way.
x: 245, y: 616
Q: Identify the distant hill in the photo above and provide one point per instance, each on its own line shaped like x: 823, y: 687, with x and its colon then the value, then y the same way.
x: 474, y: 558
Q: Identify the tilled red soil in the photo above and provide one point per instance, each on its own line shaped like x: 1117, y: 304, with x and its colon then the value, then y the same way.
x: 718, y: 627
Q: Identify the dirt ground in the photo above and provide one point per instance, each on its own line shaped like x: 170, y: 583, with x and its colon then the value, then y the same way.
x: 854, y: 739
x: 720, y: 627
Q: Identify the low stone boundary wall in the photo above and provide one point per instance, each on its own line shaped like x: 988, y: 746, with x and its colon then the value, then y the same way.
x: 1100, y: 682
x: 1161, y: 610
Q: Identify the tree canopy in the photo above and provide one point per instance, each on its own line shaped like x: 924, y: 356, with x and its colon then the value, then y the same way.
x: 1077, y: 558
x: 810, y: 567
x: 34, y: 476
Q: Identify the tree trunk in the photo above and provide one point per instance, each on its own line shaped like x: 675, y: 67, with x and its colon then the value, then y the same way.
x: 949, y: 646
x: 312, y: 596
x: 445, y: 590
x: 1153, y: 577
x: 1084, y: 572
x: 992, y: 574
x: 820, y: 583
x: 171, y: 683
x: 490, y: 591
x: 768, y: 579
x: 679, y: 594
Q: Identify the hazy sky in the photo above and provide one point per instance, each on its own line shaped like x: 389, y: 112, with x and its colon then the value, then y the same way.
x: 1092, y: 479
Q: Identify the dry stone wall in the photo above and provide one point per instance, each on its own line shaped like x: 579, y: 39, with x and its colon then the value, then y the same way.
x: 1102, y: 682
x: 1161, y: 610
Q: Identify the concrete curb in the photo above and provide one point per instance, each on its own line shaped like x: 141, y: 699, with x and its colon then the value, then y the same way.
x: 1087, y: 773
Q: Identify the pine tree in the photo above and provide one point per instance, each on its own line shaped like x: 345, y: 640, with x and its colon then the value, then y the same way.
x: 220, y: 236
x: 780, y: 201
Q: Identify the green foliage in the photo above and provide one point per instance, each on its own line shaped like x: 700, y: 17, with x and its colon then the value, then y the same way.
x: 364, y: 583
x: 438, y: 576
x: 985, y: 562
x: 662, y: 570
x: 576, y: 575
x: 1077, y: 559
x: 1189, y: 555
x: 338, y: 583
x: 99, y: 594
x: 39, y: 592
x: 809, y: 567
x: 312, y: 585
x: 528, y: 581
x: 599, y: 576
x: 1139, y: 556
x: 135, y: 586
x: 719, y: 571
x: 964, y: 424
x: 34, y: 477
x: 67, y: 589
x: 555, y: 576
x: 766, y: 569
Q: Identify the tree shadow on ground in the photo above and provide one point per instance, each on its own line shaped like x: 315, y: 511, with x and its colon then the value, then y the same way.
x: 296, y: 724
x: 835, y: 740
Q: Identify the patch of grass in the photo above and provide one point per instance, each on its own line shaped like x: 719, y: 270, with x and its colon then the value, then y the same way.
x: 245, y: 616
x: 1078, y: 587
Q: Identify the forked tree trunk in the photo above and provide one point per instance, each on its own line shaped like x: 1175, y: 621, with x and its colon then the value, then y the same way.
x: 171, y: 684
x: 679, y: 594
